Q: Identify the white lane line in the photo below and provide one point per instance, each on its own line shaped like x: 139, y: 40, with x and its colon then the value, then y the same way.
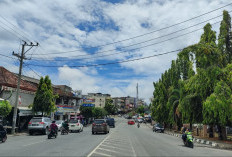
x: 102, y: 154
x: 106, y: 150
x: 110, y: 146
x: 34, y: 143
x: 133, y: 150
x: 99, y: 145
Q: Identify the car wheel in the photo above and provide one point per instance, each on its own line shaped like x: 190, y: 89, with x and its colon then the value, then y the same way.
x: 46, y: 131
x: 30, y: 132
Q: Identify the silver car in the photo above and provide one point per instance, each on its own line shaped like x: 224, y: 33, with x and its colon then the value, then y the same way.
x: 39, y: 124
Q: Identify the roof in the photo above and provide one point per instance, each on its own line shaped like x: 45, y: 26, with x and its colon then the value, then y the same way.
x: 9, y: 79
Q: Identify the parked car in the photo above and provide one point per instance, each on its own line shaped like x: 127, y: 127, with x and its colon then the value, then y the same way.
x: 39, y: 124
x: 75, y: 125
x: 140, y: 120
x: 100, y: 125
x: 158, y: 128
x: 131, y: 122
x: 59, y: 124
x: 111, y: 122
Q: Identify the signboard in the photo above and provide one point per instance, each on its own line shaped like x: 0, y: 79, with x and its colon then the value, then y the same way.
x: 88, y: 105
x: 63, y: 109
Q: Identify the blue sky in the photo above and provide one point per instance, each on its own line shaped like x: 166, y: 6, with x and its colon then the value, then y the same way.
x: 80, y: 32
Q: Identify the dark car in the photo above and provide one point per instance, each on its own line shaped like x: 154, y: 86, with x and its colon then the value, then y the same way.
x: 100, y: 125
x: 111, y: 122
x: 158, y: 128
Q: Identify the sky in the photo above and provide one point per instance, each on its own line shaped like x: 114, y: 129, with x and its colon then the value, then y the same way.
x: 84, y: 44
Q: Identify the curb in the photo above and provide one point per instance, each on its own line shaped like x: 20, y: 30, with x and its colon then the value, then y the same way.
x: 201, y: 141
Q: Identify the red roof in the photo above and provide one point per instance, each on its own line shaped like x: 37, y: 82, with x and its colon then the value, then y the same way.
x: 9, y: 79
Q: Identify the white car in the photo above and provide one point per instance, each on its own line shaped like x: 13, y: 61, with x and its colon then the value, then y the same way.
x: 75, y: 125
x: 59, y: 124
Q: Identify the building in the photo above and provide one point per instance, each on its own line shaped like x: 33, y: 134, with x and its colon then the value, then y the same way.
x: 96, y: 99
x: 68, y: 103
x: 124, y: 104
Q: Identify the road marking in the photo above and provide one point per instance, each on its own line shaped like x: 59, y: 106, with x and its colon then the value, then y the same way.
x: 133, y: 150
x: 99, y: 145
x: 34, y: 143
x: 101, y: 154
x: 107, y: 150
x: 113, y: 147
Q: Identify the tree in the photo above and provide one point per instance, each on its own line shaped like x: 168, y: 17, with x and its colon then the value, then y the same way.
x: 87, y: 112
x: 140, y: 109
x: 99, y: 112
x: 110, y: 107
x: 5, y: 108
x: 225, y: 38
x: 44, y: 100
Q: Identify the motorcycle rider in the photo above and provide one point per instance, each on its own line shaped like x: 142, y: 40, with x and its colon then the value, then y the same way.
x: 65, y: 125
x: 54, y: 127
x: 184, y: 136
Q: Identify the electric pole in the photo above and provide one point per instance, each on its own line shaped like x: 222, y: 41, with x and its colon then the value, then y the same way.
x: 137, y: 95
x: 21, y: 58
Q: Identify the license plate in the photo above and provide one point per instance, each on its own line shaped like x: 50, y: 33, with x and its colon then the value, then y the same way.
x: 72, y: 125
x: 34, y: 124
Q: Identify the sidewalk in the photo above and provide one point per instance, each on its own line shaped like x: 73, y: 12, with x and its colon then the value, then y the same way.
x: 207, y: 141
x: 17, y: 134
x: 214, y: 142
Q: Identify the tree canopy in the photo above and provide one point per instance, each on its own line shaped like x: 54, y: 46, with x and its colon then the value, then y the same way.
x: 197, y: 88
x: 44, y: 100
x: 5, y: 108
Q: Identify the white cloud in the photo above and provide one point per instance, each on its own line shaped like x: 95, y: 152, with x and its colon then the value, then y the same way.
x: 56, y: 26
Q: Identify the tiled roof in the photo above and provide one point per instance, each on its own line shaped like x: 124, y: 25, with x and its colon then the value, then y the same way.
x: 9, y: 79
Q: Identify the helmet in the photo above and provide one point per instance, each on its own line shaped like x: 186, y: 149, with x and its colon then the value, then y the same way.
x: 53, y: 121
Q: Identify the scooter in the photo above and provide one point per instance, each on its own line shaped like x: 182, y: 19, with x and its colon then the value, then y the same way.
x: 188, y: 142
x: 52, y: 133
x: 4, y: 138
x: 64, y: 131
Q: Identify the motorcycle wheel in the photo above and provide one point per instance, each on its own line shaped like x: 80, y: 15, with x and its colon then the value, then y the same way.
x: 4, y: 139
x: 191, y: 145
x: 49, y: 137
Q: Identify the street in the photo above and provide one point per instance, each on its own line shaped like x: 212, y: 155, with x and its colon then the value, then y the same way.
x: 123, y: 140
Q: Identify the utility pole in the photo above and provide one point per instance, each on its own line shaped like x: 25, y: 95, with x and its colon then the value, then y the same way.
x: 137, y: 95
x: 21, y: 58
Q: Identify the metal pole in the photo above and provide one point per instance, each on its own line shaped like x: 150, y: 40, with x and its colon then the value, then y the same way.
x: 17, y: 92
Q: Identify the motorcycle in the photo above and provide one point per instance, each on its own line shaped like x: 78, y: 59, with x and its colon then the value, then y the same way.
x: 64, y: 131
x: 4, y: 138
x: 52, y: 133
x: 188, y: 142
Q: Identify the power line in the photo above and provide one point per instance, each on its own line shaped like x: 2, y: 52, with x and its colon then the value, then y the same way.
x: 32, y: 70
x: 15, y: 26
x: 93, y: 65
x: 7, y: 56
x: 143, y: 34
x: 11, y: 32
x: 122, y: 51
x: 14, y: 31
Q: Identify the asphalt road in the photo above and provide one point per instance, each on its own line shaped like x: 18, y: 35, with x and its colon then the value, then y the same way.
x: 124, y: 140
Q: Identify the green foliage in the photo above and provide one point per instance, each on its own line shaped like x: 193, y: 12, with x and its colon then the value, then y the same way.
x: 44, y: 100
x: 99, y: 112
x: 140, y: 109
x: 187, y: 95
x: 87, y: 112
x: 5, y: 108
x: 110, y: 107
x: 225, y: 38
x: 218, y: 106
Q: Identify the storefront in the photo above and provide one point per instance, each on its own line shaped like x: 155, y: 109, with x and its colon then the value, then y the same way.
x: 64, y: 112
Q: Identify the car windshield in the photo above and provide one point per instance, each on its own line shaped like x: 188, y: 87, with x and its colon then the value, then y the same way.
x: 159, y: 125
x: 99, y: 121
x: 36, y: 120
x: 73, y: 121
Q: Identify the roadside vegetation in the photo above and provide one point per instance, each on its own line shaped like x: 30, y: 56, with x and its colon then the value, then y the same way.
x: 197, y: 88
